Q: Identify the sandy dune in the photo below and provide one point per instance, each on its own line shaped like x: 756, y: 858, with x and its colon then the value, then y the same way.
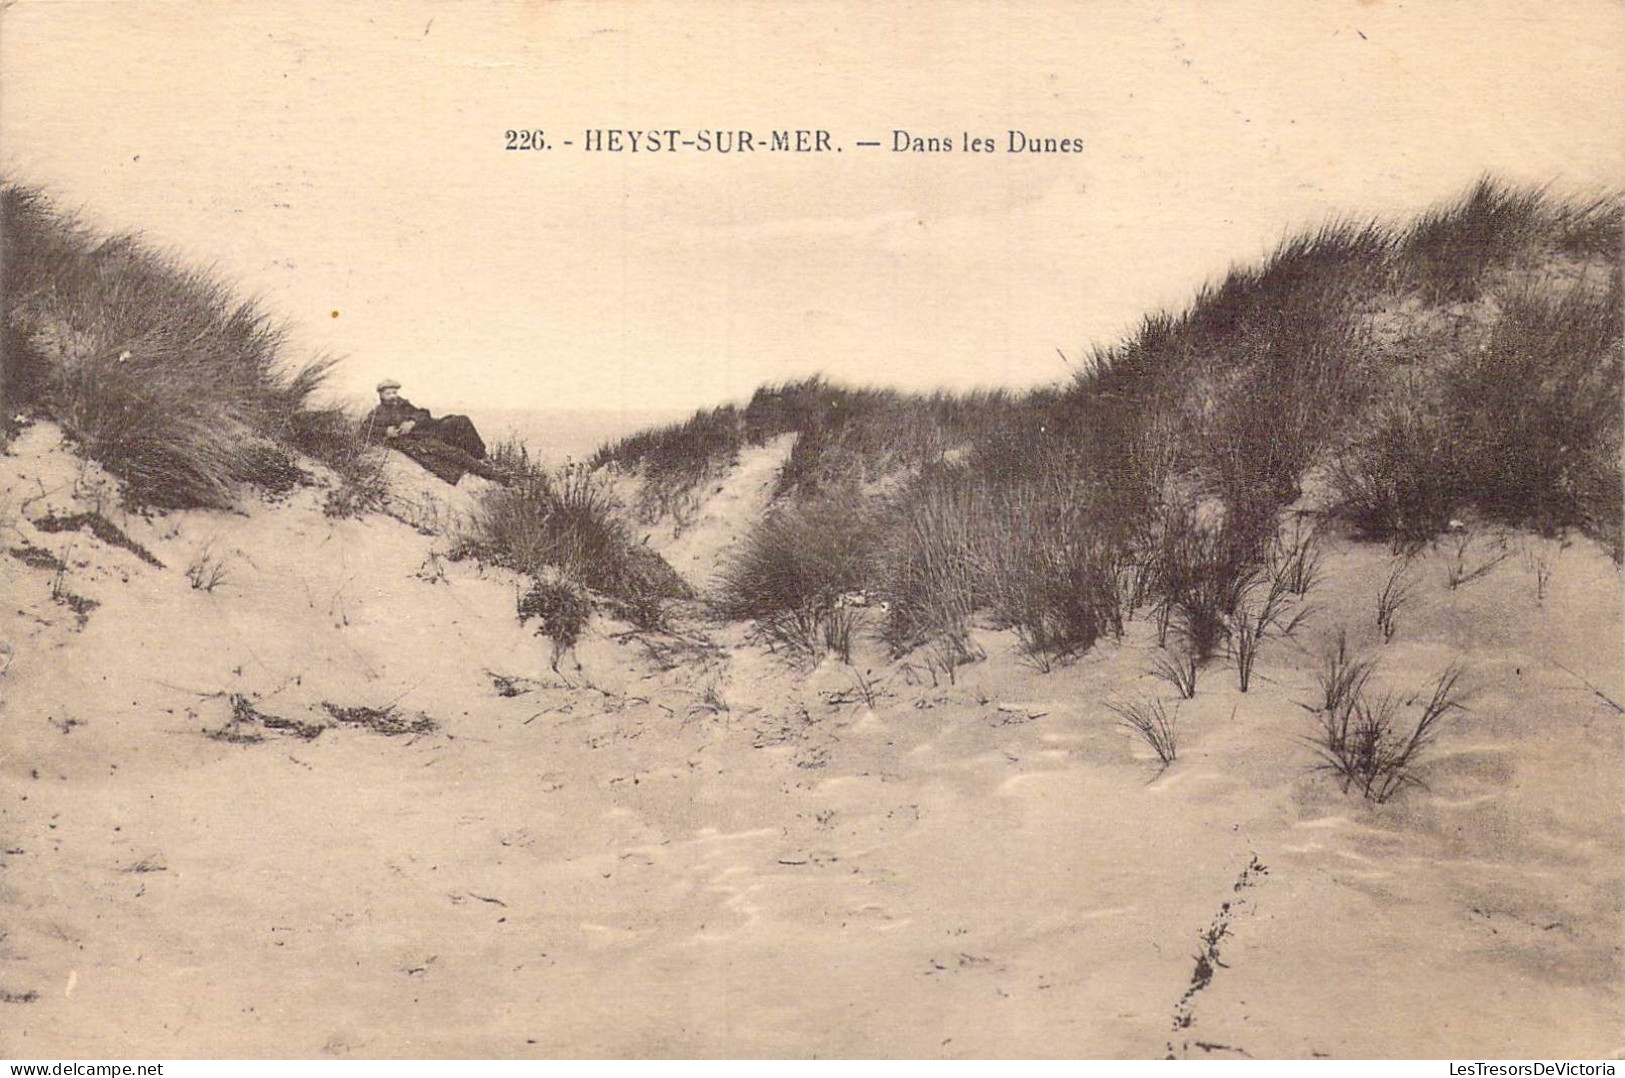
x: 694, y: 847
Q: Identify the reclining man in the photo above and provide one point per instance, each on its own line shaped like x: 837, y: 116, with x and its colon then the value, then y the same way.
x: 448, y: 446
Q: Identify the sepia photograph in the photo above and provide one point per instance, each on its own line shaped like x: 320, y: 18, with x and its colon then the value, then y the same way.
x: 750, y: 530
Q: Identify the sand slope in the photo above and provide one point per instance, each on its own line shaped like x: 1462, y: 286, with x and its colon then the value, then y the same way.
x: 695, y: 847
x: 698, y: 540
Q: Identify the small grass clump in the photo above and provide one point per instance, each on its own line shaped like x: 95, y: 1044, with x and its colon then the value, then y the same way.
x: 246, y: 718
x: 1295, y: 556
x: 37, y: 557
x: 79, y: 604
x: 207, y: 570
x: 1260, y: 615
x: 1539, y: 563
x: 562, y: 520
x: 1154, y: 724
x: 1342, y: 679
x: 1179, y: 668
x: 1463, y: 569
x: 561, y: 608
x: 1395, y: 595
x: 1361, y: 738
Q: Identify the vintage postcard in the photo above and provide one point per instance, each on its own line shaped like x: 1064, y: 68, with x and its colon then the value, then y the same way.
x: 766, y: 530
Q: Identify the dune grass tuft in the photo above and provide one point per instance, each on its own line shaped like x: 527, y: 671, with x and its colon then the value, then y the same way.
x: 1361, y: 738
x: 564, y: 523
x: 158, y: 371
x: 797, y: 574
x: 1151, y: 720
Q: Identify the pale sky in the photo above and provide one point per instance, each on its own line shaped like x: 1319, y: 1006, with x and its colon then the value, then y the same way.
x: 349, y: 157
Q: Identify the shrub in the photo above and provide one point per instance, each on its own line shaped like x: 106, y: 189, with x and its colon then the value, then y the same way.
x: 562, y: 608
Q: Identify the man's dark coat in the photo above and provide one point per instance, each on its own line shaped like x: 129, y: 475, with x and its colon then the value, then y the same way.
x: 448, y: 446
